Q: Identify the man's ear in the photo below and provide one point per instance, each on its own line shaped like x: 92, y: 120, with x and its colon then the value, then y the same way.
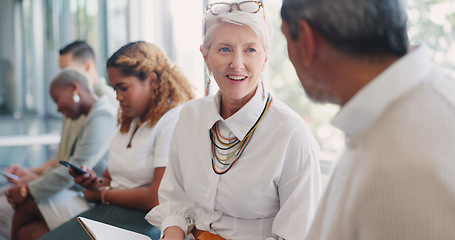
x: 87, y: 66
x: 306, y: 42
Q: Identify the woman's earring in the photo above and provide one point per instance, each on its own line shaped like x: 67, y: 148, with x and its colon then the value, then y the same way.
x: 76, y: 97
x: 208, y: 84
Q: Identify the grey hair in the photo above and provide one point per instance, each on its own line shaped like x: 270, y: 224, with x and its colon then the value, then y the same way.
x: 355, y: 27
x: 255, y: 21
x: 70, y: 75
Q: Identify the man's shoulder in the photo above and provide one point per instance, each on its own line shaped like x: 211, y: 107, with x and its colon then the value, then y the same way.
x: 102, y: 89
x: 102, y: 107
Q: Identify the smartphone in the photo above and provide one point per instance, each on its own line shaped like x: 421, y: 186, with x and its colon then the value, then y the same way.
x: 9, y: 175
x: 75, y: 168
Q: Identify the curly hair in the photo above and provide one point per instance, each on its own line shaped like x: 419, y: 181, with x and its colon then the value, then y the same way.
x: 140, y: 59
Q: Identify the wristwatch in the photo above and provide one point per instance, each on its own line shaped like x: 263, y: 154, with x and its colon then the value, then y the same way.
x: 23, y: 191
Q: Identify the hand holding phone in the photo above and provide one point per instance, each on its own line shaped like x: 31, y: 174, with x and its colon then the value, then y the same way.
x: 9, y: 175
x: 75, y: 168
x: 90, y: 182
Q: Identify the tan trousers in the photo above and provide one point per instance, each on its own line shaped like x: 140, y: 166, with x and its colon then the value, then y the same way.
x: 205, y: 235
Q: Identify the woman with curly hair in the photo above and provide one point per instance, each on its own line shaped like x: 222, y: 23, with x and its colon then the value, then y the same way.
x: 150, y: 90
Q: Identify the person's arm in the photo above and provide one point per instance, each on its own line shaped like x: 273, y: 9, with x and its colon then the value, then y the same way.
x: 142, y: 198
x: 175, y: 208
x: 299, y: 187
x: 25, y: 175
x: 91, y: 146
x: 39, y: 170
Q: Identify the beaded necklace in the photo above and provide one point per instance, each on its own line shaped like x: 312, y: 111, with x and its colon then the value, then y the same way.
x: 220, y: 143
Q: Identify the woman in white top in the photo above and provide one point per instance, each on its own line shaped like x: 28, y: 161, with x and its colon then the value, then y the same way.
x: 242, y: 165
x: 149, y: 89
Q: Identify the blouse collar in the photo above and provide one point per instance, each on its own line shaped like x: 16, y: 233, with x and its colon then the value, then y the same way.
x: 242, y: 121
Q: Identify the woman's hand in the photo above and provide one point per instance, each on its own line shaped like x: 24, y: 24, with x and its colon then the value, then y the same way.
x: 25, y: 175
x: 173, y: 233
x: 17, y: 194
x: 88, y: 181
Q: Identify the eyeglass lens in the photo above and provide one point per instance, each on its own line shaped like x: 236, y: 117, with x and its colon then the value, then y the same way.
x: 247, y: 6
x: 252, y: 7
x: 218, y: 8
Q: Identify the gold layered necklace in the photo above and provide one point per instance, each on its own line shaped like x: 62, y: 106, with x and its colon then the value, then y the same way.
x: 220, y: 143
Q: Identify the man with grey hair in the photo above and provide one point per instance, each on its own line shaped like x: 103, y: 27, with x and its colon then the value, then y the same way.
x: 395, y: 177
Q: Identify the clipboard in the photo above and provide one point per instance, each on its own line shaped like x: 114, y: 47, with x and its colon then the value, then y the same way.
x: 101, y: 231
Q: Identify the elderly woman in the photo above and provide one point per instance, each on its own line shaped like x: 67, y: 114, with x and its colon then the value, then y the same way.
x: 47, y: 202
x: 242, y: 165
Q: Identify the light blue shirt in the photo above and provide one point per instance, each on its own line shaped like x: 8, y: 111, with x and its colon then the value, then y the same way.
x: 90, y: 149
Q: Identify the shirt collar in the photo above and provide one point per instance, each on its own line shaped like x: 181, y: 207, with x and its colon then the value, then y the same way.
x: 242, y: 121
x: 370, y: 101
x: 99, y: 84
x: 98, y: 104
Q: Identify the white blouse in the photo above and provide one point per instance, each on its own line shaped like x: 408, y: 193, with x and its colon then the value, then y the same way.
x: 272, y: 190
x: 135, y: 166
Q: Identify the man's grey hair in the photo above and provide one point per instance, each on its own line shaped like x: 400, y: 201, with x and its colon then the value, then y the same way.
x: 363, y: 28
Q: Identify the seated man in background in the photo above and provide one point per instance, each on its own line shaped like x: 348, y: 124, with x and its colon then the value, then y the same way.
x: 76, y: 54
x: 395, y: 178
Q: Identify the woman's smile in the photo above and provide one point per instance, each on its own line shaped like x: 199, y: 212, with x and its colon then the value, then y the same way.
x: 237, y: 78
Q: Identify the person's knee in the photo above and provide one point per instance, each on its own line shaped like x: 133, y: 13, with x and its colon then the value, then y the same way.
x: 6, y: 216
x: 32, y: 231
